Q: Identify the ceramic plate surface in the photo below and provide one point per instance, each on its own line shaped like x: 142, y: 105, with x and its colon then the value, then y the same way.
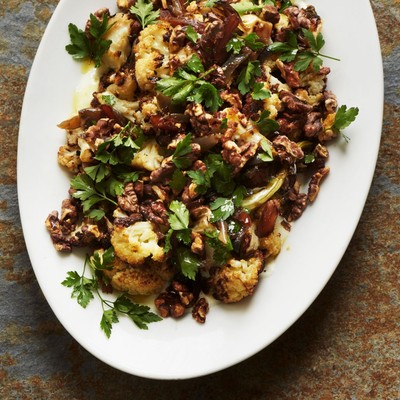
x: 180, y: 349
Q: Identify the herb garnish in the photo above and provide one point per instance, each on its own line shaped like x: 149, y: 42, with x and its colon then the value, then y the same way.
x: 222, y: 208
x: 246, y: 78
x: 84, y: 288
x: 344, y: 117
x: 188, y: 262
x: 180, y: 157
x: 144, y: 12
x: 266, y: 155
x: 303, y: 58
x: 92, y: 45
x: 105, y: 180
x: 265, y: 124
x: 221, y: 251
x: 179, y: 224
x: 191, y: 34
x: 259, y: 92
x: 185, y: 85
x: 252, y: 41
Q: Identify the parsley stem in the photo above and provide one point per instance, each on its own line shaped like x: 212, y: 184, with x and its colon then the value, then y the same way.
x: 204, y: 74
x: 331, y: 58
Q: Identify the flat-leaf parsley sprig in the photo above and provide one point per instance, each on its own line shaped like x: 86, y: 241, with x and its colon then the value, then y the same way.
x: 89, y: 45
x: 84, y: 289
x: 103, y: 181
x: 186, y: 85
x: 144, y: 12
x: 343, y: 118
x: 303, y: 57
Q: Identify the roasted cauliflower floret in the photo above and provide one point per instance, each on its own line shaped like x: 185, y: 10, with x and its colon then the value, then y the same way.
x: 68, y: 157
x: 151, y: 54
x: 139, y: 279
x: 120, y: 48
x: 263, y: 29
x: 123, y: 84
x: 155, y: 57
x: 137, y: 242
x: 237, y: 279
x: 240, y: 129
x: 271, y: 244
x: 148, y: 157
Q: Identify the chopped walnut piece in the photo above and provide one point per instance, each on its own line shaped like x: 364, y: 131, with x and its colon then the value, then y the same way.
x: 187, y: 295
x: 297, y: 205
x: 290, y: 75
x: 288, y: 151
x: 154, y: 211
x: 169, y: 305
x: 315, y: 182
x: 293, y: 103
x: 203, y: 123
x: 313, y: 126
x: 128, y: 201
x: 176, y: 298
x: 270, y: 13
x: 200, y: 310
x: 238, y: 156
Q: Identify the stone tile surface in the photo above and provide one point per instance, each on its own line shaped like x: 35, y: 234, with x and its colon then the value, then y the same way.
x: 346, y: 346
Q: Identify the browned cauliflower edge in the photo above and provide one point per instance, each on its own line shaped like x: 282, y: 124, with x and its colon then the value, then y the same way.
x: 237, y: 279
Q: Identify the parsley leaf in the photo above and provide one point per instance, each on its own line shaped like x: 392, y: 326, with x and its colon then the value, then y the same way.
x: 246, y: 78
x: 267, y: 155
x: 344, y: 117
x: 180, y: 217
x: 121, y: 148
x: 144, y: 12
x: 288, y: 50
x: 98, y: 172
x: 195, y: 64
x: 222, y: 208
x: 109, y: 99
x: 188, y: 262
x: 184, y: 85
x: 220, y: 174
x: 309, y: 158
x: 92, y: 46
x: 108, y: 318
x: 105, y: 180
x: 179, y: 223
x: 221, y: 251
x: 244, y: 6
x: 303, y: 57
x: 285, y: 4
x: 96, y: 214
x: 235, y: 44
x: 138, y: 313
x: 183, y: 148
x: 102, y: 260
x: 252, y: 41
x: 266, y: 125
x: 208, y: 94
x: 81, y: 287
x: 191, y: 34
x: 259, y: 92
x: 178, y: 180
x: 87, y: 192
x: 201, y: 179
